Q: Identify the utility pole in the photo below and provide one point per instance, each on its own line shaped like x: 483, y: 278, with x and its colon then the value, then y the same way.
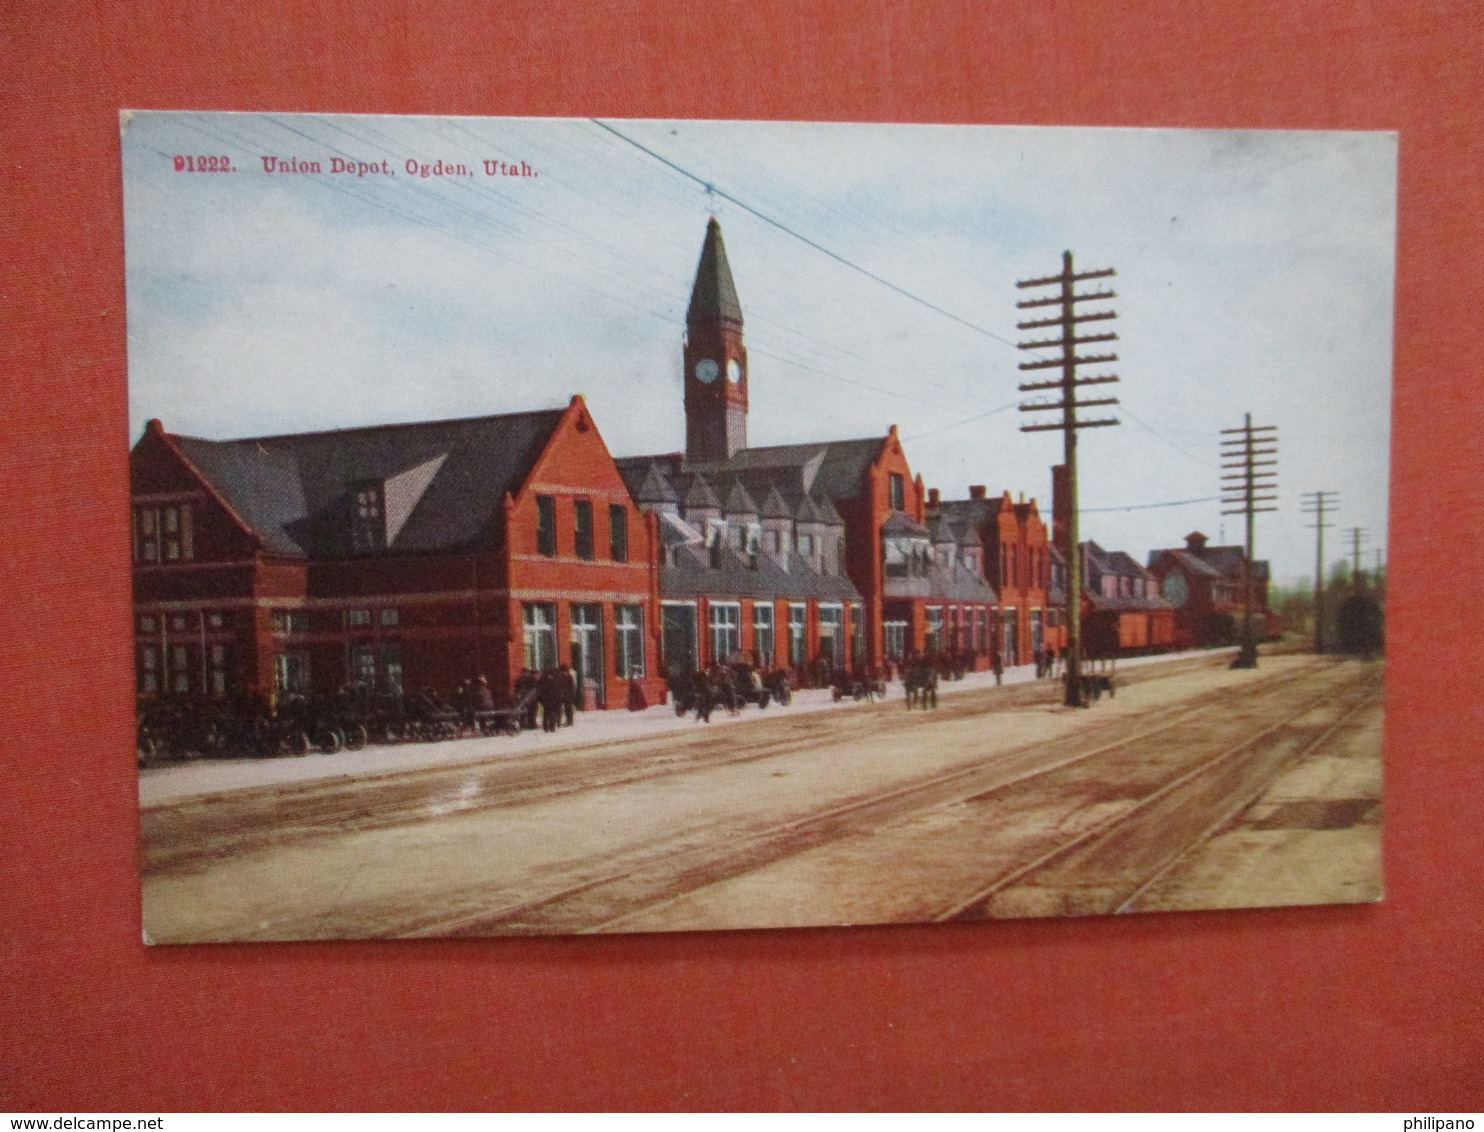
x: 1317, y: 503
x: 1241, y: 456
x: 1357, y: 536
x: 1066, y: 322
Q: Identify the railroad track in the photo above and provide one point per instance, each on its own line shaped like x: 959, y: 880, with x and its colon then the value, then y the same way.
x: 606, y: 894
x: 197, y: 832
x: 1108, y: 868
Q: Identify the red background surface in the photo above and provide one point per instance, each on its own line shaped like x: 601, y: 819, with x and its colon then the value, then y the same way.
x: 1364, y: 1007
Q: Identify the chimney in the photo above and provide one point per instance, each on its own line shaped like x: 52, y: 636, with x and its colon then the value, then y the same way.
x: 1061, y: 504
x: 976, y: 491
x: 933, y: 496
x: 1195, y: 541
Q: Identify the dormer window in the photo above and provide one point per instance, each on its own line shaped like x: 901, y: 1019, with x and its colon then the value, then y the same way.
x: 368, y: 520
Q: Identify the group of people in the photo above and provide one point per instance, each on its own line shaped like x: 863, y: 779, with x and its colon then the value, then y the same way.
x: 552, y: 694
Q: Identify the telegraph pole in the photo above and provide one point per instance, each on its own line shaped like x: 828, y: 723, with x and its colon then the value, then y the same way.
x: 1066, y: 322
x: 1241, y: 455
x: 1317, y: 503
x: 1357, y: 536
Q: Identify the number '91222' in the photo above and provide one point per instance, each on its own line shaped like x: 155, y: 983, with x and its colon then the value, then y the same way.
x: 197, y: 164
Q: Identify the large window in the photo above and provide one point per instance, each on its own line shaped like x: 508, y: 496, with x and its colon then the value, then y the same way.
x: 290, y: 674
x: 934, y: 641
x: 898, y: 492
x: 762, y: 633
x: 831, y: 635
x: 363, y: 667
x: 798, y: 641
x: 628, y: 640
x: 895, y: 633
x: 857, y: 634
x: 583, y: 527
x: 618, y: 532
x: 538, y: 630
x: 220, y: 682
x: 726, y: 630
x: 546, y: 525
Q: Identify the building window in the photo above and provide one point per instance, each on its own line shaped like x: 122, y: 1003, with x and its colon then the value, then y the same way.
x: 726, y: 631
x: 164, y: 533
x: 391, y: 617
x: 290, y: 674
x: 367, y: 524
x: 857, y: 635
x: 583, y: 522
x: 363, y: 667
x: 149, y: 671
x: 546, y: 526
x: 762, y: 633
x: 898, y: 487
x: 216, y: 620
x: 830, y: 632
x: 798, y: 640
x: 357, y: 618
x: 895, y: 633
x: 147, y: 625
x: 934, y: 641
x: 391, y: 668
x: 219, y: 666
x: 539, y: 634
x: 628, y: 641
x: 618, y: 532
x: 290, y: 621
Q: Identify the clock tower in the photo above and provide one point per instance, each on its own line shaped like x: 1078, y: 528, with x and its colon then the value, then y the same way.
x: 715, y: 360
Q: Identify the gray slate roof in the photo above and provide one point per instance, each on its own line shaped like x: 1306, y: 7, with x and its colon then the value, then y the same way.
x: 694, y: 576
x: 297, y: 491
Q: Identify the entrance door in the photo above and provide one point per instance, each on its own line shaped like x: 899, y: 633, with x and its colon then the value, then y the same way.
x: 678, y: 635
x: 587, y: 653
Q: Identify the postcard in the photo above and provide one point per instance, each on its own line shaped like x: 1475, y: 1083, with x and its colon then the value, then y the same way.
x: 563, y: 526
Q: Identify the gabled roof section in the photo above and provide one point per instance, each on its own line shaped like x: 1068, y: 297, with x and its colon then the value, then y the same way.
x: 714, y: 296
x: 774, y: 507
x: 738, y: 502
x: 836, y: 468
x: 652, y: 488
x: 900, y: 523
x: 701, y: 495
x: 443, y: 481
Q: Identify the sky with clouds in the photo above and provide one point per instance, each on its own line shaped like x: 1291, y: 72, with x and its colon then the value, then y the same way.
x: 1255, y: 274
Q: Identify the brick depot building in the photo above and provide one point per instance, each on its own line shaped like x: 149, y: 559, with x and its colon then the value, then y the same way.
x: 389, y: 557
x: 808, y: 556
x: 421, y: 555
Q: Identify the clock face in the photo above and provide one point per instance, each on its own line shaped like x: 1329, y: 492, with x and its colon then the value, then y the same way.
x: 706, y: 370
x: 734, y: 371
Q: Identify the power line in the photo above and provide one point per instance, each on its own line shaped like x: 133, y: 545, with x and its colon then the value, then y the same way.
x: 784, y: 228
x: 1152, y: 506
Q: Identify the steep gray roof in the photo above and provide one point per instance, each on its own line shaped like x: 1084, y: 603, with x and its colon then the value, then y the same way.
x: 297, y: 491
x: 694, y: 576
x: 653, y: 488
x: 774, y: 507
x: 714, y: 296
x: 900, y: 523
x: 738, y: 502
x: 700, y: 494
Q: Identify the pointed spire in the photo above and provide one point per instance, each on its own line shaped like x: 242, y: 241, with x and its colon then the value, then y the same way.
x: 714, y: 297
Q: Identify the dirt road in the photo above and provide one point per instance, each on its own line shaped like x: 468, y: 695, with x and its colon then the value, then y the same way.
x: 1195, y: 787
